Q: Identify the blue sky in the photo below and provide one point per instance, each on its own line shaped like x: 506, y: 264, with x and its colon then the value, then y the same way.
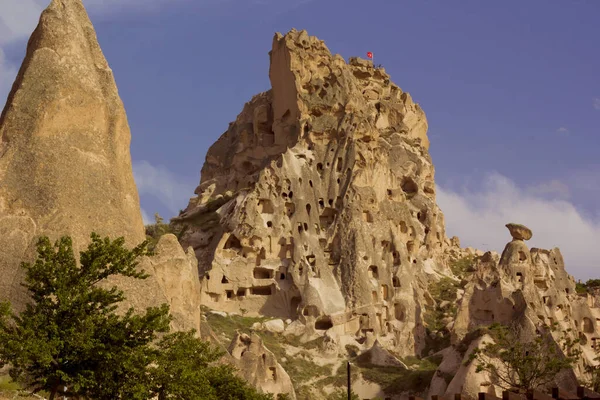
x: 510, y: 89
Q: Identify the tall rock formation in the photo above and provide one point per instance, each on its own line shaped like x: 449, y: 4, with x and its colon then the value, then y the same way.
x: 65, y: 166
x: 318, y: 202
x: 318, y: 205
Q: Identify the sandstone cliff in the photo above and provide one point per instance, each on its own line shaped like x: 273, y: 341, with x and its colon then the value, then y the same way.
x: 317, y: 205
x: 318, y: 202
x: 65, y: 166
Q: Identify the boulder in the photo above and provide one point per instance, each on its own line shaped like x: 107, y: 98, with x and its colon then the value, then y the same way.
x: 275, y: 326
x: 519, y: 232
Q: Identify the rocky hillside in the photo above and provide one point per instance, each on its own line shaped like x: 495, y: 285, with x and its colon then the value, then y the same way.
x: 314, y: 237
x: 317, y: 206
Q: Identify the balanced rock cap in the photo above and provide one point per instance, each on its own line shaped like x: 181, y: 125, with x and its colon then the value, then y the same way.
x: 519, y: 232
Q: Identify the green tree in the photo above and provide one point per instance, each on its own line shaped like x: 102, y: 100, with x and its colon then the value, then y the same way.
x: 185, y: 369
x: 70, y: 335
x: 523, y: 364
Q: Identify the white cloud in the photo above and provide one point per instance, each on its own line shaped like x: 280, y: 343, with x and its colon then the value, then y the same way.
x: 596, y: 103
x: 554, y: 189
x: 478, y: 217
x: 172, y: 191
x: 563, y: 130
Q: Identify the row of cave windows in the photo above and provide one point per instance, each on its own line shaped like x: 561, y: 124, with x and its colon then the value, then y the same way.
x: 265, y: 273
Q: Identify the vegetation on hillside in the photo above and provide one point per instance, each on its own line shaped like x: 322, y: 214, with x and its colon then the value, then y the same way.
x: 69, y: 341
x: 515, y: 362
x: 588, y: 286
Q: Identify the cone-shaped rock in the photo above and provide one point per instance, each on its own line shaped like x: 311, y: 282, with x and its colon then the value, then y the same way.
x: 65, y: 166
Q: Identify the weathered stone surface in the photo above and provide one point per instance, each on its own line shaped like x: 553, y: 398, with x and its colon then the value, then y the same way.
x: 259, y: 366
x: 275, y: 326
x: 65, y: 166
x: 519, y: 232
x: 318, y: 203
x: 377, y: 355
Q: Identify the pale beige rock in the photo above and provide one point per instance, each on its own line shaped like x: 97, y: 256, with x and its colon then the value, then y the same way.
x: 377, y: 355
x: 259, y: 366
x: 65, y: 166
x: 275, y: 326
x: 519, y: 232
x: 318, y: 203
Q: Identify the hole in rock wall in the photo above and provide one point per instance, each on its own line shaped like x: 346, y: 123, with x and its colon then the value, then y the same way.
x: 367, y: 216
x: 522, y: 256
x: 263, y: 273
x: 224, y: 279
x: 272, y: 373
x: 327, y: 217
x: 374, y: 296
x: 587, y: 326
x: 229, y: 294
x: 373, y: 272
x: 295, y: 303
x: 396, y: 282
x: 410, y: 246
x: 519, y: 277
x: 403, y: 227
x: 323, y: 244
x: 233, y: 243
x: 305, y: 226
x: 399, y: 312
x: 265, y: 206
x: 422, y: 216
x: 339, y: 164
x: 282, y: 276
x: 310, y: 311
x: 269, y: 224
x: 330, y: 201
x: 320, y: 167
x: 290, y: 209
x: 308, y: 207
x: 312, y: 260
x: 396, y: 257
x: 323, y: 324
x: 384, y: 292
x: 261, y: 290
x: 409, y: 186
x: 310, y: 183
x: 241, y: 292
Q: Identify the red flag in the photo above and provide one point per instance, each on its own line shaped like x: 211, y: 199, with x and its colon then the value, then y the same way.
x: 369, y: 55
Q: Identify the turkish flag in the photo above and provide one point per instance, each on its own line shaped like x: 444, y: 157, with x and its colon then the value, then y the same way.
x: 369, y: 54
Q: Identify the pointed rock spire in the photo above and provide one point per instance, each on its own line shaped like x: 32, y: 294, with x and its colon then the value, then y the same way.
x: 65, y: 165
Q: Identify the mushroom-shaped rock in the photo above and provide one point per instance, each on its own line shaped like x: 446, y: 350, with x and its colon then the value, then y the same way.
x: 519, y: 232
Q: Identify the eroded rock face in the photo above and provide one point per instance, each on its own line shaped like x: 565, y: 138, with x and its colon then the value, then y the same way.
x: 531, y: 288
x: 259, y: 366
x: 318, y: 202
x: 65, y: 166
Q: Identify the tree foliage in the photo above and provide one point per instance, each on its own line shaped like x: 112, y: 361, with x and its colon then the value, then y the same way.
x: 520, y: 364
x: 70, y: 335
